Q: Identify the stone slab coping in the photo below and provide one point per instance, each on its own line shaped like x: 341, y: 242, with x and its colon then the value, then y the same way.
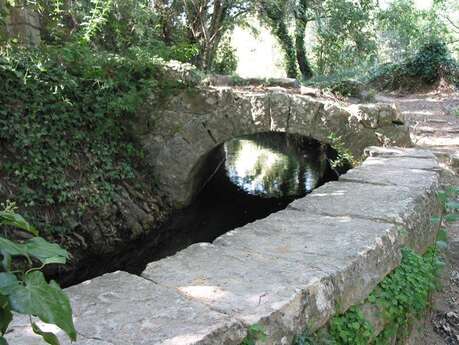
x: 291, y: 270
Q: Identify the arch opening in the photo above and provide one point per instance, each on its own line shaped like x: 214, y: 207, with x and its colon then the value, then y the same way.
x: 241, y: 180
x: 244, y: 179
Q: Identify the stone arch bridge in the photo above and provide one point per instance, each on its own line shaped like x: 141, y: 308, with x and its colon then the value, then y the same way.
x: 178, y: 135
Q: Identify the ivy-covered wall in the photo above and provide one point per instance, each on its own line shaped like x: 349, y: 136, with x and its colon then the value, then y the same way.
x: 66, y: 156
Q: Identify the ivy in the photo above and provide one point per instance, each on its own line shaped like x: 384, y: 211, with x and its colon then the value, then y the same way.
x: 344, y: 159
x: 404, y: 295
x: 63, y: 116
x: 255, y: 333
x: 304, y: 339
x: 351, y: 328
x: 430, y: 64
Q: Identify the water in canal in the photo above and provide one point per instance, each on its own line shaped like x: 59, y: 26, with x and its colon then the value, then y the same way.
x: 248, y: 178
x: 256, y: 175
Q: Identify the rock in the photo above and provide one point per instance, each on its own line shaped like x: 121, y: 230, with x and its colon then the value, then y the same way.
x: 388, y: 152
x: 447, y: 325
x: 186, y: 73
x: 454, y: 161
x: 218, y: 80
x: 454, y: 277
x: 288, y: 83
x: 379, y: 115
x: 123, y: 309
x: 367, y: 196
x: 310, y: 91
x: 348, y: 87
x: 404, y: 163
x: 23, y: 23
x: 275, y: 271
x: 390, y: 174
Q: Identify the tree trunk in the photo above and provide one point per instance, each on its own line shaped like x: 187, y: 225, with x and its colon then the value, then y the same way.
x: 165, y: 20
x: 3, y: 16
x: 210, y: 52
x: 274, y: 13
x: 301, y: 20
x: 211, y: 32
x: 303, y: 63
x: 286, y: 42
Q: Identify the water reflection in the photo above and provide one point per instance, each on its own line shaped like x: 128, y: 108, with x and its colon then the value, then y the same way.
x: 275, y: 165
x: 261, y: 174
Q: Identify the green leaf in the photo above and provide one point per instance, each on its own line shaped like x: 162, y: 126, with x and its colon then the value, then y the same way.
x: 50, y: 338
x: 442, y: 245
x: 372, y: 299
x: 5, y: 314
x: 3, y: 341
x: 46, y: 301
x: 451, y: 218
x: 8, y: 283
x: 16, y: 220
x: 11, y: 248
x: 46, y: 252
x: 442, y: 196
x: 442, y: 235
x: 435, y: 219
x: 452, y: 205
x: 6, y: 262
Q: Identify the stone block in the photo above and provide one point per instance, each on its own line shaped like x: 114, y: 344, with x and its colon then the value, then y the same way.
x: 123, y: 309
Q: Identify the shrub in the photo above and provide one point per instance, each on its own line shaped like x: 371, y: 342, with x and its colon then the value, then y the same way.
x: 226, y: 60
x: 431, y: 64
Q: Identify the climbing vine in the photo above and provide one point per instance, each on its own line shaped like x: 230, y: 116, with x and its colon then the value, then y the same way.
x: 98, y: 17
x: 351, y: 328
x: 275, y: 14
x: 404, y: 294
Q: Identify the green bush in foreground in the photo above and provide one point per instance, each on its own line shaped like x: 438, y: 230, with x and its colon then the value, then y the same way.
x: 24, y: 290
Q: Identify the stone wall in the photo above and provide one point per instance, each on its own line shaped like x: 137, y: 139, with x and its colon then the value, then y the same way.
x: 290, y: 271
x: 22, y: 23
x: 179, y: 133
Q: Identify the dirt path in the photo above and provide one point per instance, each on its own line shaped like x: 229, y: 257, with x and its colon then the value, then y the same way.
x: 434, y: 125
